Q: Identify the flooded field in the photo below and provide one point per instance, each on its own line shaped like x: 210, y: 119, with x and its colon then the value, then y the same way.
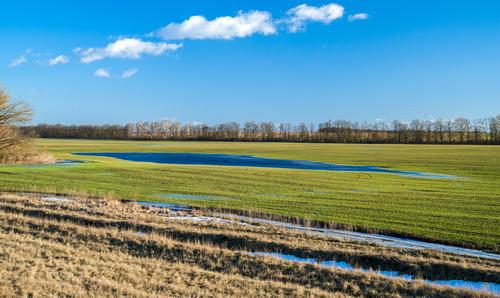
x: 253, y: 161
x: 396, y: 190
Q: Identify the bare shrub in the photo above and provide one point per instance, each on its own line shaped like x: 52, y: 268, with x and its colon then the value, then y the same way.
x: 15, y: 146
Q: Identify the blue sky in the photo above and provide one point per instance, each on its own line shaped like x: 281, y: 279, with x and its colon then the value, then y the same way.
x: 125, y: 61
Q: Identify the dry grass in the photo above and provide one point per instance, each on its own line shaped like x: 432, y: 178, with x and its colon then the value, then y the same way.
x: 91, y: 247
x: 24, y: 156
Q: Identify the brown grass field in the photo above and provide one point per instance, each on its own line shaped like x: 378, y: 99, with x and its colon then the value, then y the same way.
x: 104, y: 247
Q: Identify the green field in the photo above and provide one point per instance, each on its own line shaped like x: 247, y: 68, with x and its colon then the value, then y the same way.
x: 464, y: 211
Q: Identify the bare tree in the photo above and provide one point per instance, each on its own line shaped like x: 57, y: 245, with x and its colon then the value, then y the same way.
x: 449, y: 130
x: 251, y: 130
x: 417, y: 128
x: 495, y: 129
x: 439, y: 129
x: 12, y: 114
x: 267, y: 130
x: 479, y: 129
x: 462, y: 127
x: 302, y: 132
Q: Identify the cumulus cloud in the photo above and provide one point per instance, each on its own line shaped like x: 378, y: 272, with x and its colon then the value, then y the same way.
x: 129, y: 48
x: 244, y: 24
x: 102, y: 73
x: 21, y: 59
x: 358, y: 16
x: 61, y: 59
x: 300, y: 15
x: 129, y: 73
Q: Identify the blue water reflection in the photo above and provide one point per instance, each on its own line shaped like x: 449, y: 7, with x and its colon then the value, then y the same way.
x: 251, y: 161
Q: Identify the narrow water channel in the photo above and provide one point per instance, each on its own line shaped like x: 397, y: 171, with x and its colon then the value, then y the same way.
x: 472, y: 285
x: 379, y: 239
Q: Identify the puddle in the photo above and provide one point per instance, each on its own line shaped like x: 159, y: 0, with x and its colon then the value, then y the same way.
x: 389, y: 241
x: 187, y: 217
x: 63, y: 163
x: 253, y: 161
x: 319, y: 192
x: 477, y: 286
x: 335, y: 264
x: 190, y: 197
x: 173, y: 207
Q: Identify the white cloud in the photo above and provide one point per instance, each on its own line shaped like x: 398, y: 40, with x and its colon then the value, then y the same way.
x: 129, y: 73
x: 18, y: 61
x: 102, y: 73
x: 300, y: 15
x: 358, y: 16
x: 244, y: 24
x: 61, y: 59
x: 131, y: 48
x: 21, y: 59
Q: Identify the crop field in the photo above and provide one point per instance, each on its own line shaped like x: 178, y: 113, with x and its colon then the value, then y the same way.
x: 463, y: 210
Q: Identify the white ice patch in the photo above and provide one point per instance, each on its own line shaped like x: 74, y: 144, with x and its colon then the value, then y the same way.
x: 207, y: 219
x: 55, y: 199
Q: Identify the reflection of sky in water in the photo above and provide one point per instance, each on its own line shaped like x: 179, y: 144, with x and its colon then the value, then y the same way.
x: 379, y: 239
x: 174, y: 207
x: 384, y: 240
x: 63, y: 163
x: 491, y: 287
x: 478, y: 286
x: 253, y: 161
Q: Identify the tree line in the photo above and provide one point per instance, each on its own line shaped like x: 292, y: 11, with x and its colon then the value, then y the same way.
x: 441, y: 131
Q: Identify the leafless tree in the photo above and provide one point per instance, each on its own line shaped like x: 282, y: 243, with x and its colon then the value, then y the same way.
x: 417, y: 128
x: 267, y: 130
x: 251, y: 131
x: 495, y: 129
x: 12, y: 114
x: 440, y: 128
x: 462, y: 128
